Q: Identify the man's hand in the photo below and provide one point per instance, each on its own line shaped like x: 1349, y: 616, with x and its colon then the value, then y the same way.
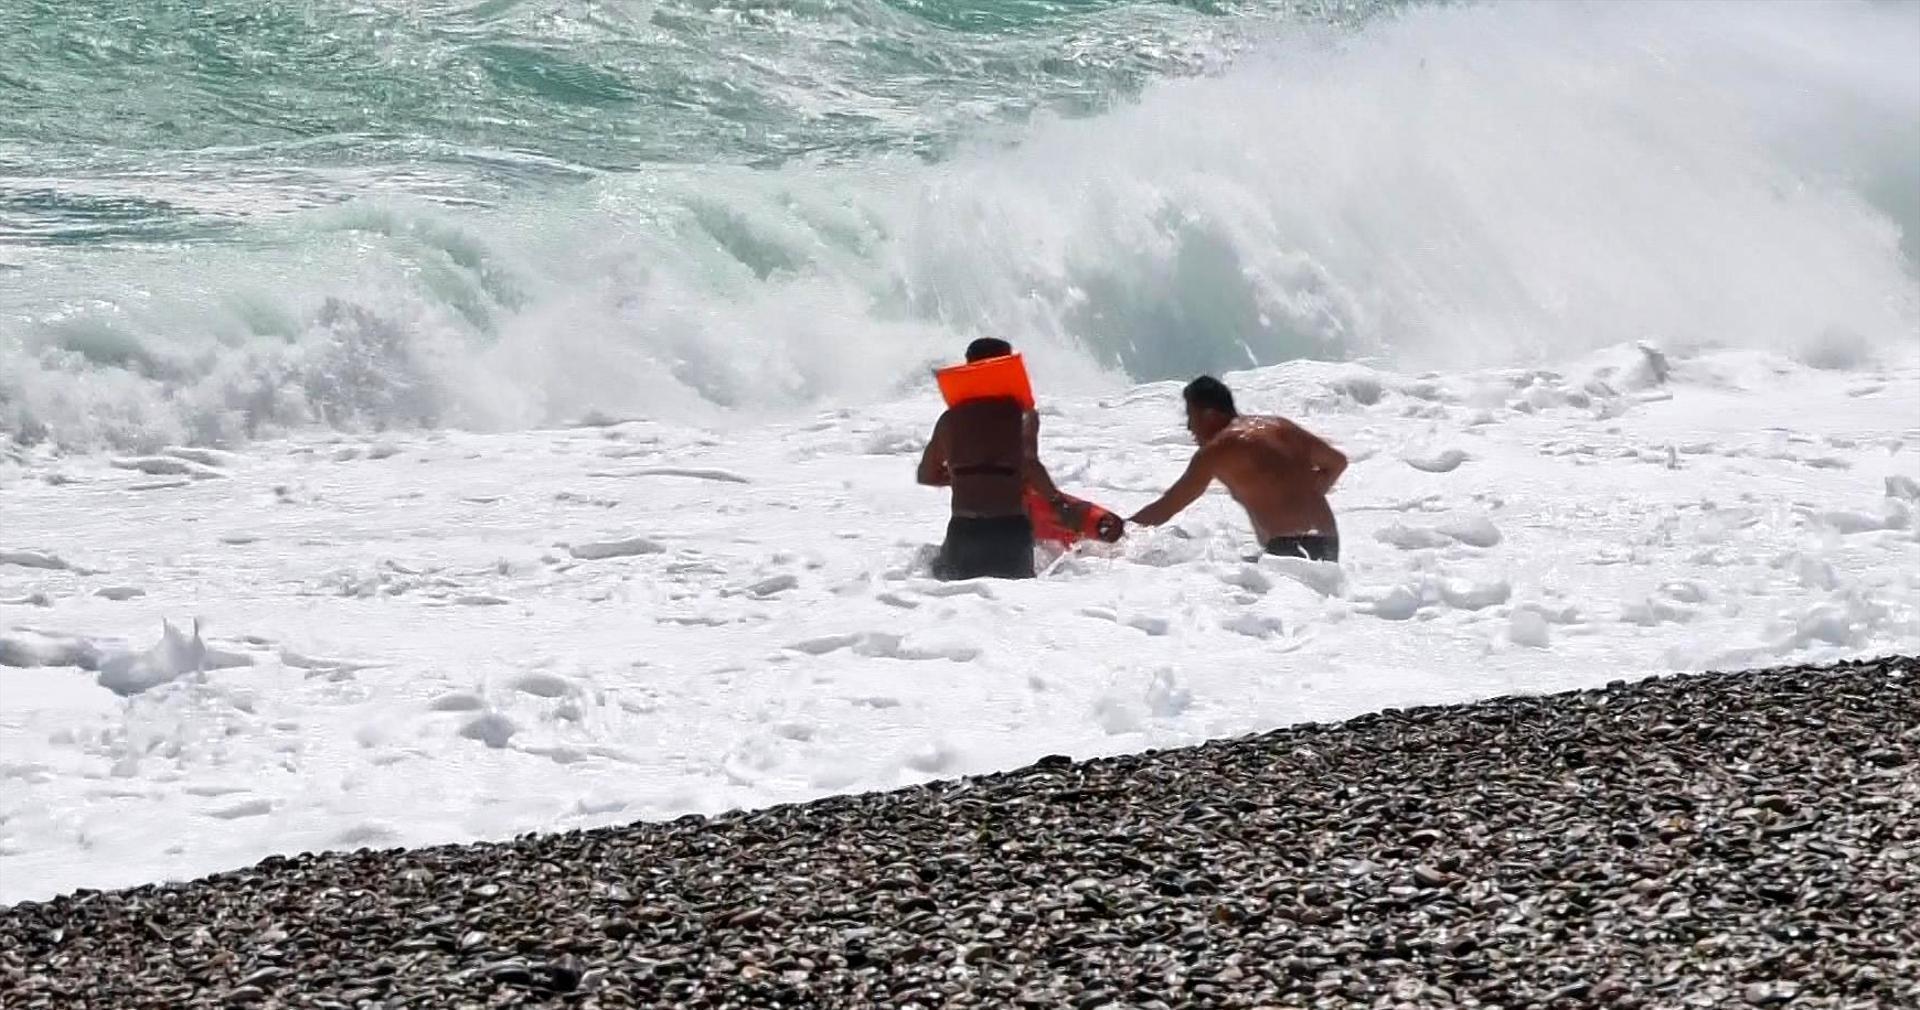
x: 1324, y: 462
x: 1328, y: 463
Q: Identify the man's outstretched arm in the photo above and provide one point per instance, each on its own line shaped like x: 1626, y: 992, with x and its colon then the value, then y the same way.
x: 933, y: 470
x: 1183, y: 493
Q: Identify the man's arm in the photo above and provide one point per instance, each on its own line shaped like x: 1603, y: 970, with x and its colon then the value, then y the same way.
x: 933, y: 461
x: 1183, y: 493
x: 1326, y: 462
x: 1035, y: 473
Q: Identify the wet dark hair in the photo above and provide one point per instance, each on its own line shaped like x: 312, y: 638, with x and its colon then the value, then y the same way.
x: 1209, y: 392
x: 988, y: 347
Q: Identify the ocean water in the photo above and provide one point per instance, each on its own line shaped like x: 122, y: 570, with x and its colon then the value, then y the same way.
x: 223, y: 220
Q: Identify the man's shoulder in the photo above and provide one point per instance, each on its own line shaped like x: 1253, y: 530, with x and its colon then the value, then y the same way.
x: 1257, y: 427
x: 1247, y: 437
x: 1245, y: 428
x: 1225, y: 444
x: 989, y: 405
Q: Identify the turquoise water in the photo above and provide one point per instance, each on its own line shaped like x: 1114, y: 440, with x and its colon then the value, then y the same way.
x: 223, y: 220
x: 163, y: 120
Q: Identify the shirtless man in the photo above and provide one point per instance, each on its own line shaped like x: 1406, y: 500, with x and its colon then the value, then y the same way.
x: 1277, y: 470
x: 988, y: 452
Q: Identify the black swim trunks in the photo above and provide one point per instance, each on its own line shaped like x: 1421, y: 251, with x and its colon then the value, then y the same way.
x: 1000, y: 547
x: 1313, y: 547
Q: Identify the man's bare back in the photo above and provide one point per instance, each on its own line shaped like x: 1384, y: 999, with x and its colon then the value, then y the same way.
x: 1278, y: 471
x: 988, y: 451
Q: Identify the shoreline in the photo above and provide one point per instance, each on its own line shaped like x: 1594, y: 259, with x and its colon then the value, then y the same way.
x: 1736, y: 838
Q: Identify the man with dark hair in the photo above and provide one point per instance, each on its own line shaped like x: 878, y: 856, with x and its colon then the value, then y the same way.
x: 988, y: 452
x: 1278, y: 471
x: 987, y: 347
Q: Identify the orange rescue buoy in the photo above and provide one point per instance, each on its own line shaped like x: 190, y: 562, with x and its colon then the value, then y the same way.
x: 1066, y: 520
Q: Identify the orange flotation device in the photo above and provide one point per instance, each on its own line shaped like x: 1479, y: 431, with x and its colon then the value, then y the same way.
x: 1063, y: 519
x: 1066, y: 520
x: 1004, y: 377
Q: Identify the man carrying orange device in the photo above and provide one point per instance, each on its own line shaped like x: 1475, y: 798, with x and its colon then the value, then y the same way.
x: 986, y: 447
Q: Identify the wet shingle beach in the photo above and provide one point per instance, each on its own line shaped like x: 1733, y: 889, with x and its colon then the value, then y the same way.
x: 1740, y: 839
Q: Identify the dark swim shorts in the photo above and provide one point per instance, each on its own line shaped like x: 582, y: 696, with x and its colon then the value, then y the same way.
x: 1313, y: 547
x: 999, y: 547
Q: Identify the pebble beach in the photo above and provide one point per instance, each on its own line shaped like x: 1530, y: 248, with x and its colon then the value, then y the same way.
x: 1731, y: 839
